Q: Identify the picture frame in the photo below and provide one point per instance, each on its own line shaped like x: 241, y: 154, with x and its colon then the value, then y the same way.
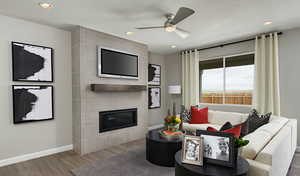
x: 32, y: 63
x: 218, y: 148
x: 32, y: 103
x: 154, y: 75
x: 192, y: 150
x: 154, y: 97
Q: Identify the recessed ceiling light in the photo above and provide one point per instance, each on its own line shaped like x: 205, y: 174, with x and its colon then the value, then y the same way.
x: 173, y: 46
x: 45, y: 5
x: 268, y: 22
x: 129, y: 33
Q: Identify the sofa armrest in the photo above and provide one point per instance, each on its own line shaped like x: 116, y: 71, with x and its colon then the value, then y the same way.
x: 278, y: 152
x: 258, y: 169
x: 293, y: 124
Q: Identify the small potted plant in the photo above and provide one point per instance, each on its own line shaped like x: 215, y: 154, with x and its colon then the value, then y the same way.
x: 238, y: 144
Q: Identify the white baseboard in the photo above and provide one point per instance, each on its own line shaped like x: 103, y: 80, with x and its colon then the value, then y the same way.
x: 298, y: 149
x: 155, y: 126
x: 30, y: 156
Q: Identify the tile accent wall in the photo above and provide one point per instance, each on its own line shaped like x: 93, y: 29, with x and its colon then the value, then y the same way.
x: 88, y: 104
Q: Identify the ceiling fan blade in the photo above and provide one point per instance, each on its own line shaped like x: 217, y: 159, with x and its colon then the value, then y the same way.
x: 153, y: 27
x: 182, y: 33
x: 181, y: 14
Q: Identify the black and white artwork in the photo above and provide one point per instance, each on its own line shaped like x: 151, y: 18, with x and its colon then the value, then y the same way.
x: 154, y: 73
x: 32, y: 63
x: 218, y: 147
x: 192, y: 150
x: 32, y: 103
x: 154, y: 97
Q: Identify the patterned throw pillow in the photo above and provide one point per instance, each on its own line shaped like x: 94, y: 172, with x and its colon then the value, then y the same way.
x: 226, y: 126
x: 256, y: 120
x: 185, y: 114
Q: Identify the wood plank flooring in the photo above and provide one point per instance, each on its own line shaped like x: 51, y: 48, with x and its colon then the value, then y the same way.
x: 60, y: 164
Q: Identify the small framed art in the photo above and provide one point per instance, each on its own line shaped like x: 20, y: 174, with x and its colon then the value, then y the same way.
x: 192, y: 150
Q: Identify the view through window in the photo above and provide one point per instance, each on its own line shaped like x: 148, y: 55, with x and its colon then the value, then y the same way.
x: 227, y: 80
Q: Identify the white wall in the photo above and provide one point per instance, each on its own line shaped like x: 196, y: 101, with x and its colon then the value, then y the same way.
x: 34, y: 137
x: 156, y: 115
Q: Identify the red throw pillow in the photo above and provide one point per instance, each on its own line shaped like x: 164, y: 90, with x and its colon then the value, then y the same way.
x: 236, y: 130
x: 199, y: 116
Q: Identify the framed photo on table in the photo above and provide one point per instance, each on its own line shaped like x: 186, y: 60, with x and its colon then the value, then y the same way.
x: 218, y: 148
x: 192, y: 150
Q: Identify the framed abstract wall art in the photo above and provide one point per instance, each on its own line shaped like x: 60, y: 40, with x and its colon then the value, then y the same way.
x: 154, y: 75
x: 154, y: 97
x: 32, y: 63
x: 32, y: 103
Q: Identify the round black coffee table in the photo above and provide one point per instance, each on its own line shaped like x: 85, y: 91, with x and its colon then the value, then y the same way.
x: 182, y: 169
x: 160, y: 151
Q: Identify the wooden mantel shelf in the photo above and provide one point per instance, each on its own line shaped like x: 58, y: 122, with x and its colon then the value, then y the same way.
x: 117, y: 88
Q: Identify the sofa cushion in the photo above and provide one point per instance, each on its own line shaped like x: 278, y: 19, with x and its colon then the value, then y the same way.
x: 194, y: 127
x: 220, y: 118
x: 257, y: 141
x: 274, y: 125
x: 262, y: 136
x: 199, y: 116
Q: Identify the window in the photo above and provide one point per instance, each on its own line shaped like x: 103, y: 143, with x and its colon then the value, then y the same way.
x: 227, y: 80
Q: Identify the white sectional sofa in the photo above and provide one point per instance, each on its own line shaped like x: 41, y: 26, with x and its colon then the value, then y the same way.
x: 271, y: 148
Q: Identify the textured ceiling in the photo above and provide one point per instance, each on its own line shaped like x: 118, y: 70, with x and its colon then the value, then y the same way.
x: 214, y: 20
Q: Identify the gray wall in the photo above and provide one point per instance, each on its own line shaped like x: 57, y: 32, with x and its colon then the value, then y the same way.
x: 173, y: 77
x: 34, y: 137
x: 156, y: 115
x: 88, y: 104
x: 289, y: 62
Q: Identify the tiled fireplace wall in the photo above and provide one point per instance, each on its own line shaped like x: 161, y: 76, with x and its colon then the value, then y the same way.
x: 88, y: 104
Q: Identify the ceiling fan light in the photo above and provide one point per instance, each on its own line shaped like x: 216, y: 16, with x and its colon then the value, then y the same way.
x: 170, y: 28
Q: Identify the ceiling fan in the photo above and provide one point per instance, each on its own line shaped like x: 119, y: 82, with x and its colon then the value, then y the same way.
x: 173, y: 20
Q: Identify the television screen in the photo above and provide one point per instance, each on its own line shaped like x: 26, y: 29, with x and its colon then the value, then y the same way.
x: 114, y: 63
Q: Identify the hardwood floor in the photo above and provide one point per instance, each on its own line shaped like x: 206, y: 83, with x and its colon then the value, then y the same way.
x: 60, y: 164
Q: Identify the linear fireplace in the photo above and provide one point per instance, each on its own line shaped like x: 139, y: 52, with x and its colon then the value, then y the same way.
x: 117, y: 119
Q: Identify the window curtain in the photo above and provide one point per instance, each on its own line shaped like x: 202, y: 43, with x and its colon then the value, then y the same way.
x: 190, y: 78
x: 266, y: 93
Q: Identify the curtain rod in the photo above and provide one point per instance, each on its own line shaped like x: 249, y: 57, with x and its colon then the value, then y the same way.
x: 231, y: 43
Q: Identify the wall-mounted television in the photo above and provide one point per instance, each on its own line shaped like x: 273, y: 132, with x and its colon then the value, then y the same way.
x: 117, y: 64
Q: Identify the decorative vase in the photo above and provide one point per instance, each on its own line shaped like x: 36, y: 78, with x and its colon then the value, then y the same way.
x: 237, y: 154
x: 173, y: 127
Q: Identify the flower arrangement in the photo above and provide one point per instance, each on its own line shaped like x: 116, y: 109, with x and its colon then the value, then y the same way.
x: 172, y: 122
